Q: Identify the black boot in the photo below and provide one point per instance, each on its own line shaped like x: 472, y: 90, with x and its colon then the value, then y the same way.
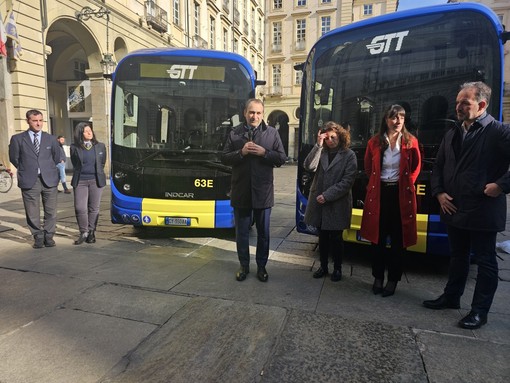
x: 91, y: 238
x: 389, y: 289
x: 82, y: 238
x: 377, y: 287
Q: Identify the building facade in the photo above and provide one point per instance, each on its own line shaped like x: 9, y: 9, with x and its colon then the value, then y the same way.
x: 292, y: 27
x: 61, y: 51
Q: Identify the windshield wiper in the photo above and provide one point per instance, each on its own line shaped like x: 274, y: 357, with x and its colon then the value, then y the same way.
x: 208, y: 163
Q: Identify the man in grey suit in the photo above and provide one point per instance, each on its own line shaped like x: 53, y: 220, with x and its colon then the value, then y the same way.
x: 35, y: 154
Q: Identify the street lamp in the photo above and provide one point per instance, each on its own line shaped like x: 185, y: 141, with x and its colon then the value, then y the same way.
x: 107, y: 63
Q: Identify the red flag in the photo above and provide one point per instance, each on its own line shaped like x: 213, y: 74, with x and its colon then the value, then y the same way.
x: 3, y: 38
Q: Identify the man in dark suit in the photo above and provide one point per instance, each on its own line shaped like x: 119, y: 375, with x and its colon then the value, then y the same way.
x: 253, y: 150
x: 470, y: 179
x: 35, y: 154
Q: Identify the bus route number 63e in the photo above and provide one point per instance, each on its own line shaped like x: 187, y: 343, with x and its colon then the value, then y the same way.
x: 203, y: 183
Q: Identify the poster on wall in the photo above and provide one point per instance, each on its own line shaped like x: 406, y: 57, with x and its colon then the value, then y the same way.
x: 78, y: 99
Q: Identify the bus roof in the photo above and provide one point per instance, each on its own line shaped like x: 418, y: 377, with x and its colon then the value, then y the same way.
x: 430, y: 10
x: 191, y: 52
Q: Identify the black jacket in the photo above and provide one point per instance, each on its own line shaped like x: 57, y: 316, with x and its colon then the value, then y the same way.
x: 22, y: 155
x: 462, y: 169
x: 252, y: 176
x: 77, y: 160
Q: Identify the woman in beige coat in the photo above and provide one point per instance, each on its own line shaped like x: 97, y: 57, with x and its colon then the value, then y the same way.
x: 329, y: 206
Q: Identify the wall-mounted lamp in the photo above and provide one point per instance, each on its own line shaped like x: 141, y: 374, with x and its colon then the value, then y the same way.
x: 107, y: 63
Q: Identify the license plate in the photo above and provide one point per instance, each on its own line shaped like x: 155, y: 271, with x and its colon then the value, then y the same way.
x: 177, y: 221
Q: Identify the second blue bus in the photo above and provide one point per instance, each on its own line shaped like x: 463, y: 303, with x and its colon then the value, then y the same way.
x: 416, y: 58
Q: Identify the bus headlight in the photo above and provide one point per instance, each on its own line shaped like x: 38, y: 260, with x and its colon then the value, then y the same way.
x: 126, y: 187
x: 119, y: 175
x: 305, y: 178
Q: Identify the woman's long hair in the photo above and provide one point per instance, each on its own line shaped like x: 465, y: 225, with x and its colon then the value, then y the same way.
x: 78, y: 134
x: 344, y: 137
x: 392, y: 111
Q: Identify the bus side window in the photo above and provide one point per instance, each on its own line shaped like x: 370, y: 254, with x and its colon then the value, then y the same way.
x: 435, y: 121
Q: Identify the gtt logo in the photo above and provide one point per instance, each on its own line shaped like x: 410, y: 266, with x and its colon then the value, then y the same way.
x: 177, y: 71
x: 383, y: 43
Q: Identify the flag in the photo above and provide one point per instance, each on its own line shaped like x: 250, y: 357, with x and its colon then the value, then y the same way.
x: 12, y: 33
x: 3, y: 38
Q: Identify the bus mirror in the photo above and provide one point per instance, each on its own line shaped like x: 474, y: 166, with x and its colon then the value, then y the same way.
x: 505, y: 36
x: 260, y: 82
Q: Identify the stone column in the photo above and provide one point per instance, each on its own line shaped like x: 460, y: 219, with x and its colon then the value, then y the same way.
x: 100, y: 90
x: 6, y: 112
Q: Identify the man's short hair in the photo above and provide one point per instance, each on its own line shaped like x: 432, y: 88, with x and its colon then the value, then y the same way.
x: 33, y: 112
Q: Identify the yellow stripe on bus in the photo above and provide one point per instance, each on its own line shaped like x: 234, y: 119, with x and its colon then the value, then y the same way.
x: 351, y: 235
x: 201, y: 213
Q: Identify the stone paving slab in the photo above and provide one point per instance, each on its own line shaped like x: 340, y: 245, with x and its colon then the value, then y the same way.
x: 154, y: 271
x: 129, y: 303
x: 325, y: 348
x: 463, y: 359
x: 208, y: 340
x: 68, y: 346
x: 25, y: 296
x: 285, y: 288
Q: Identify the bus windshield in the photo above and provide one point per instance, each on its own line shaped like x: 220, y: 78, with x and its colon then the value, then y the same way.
x: 167, y: 104
x: 417, y: 62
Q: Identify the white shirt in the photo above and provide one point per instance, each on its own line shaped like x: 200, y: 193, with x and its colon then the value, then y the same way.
x: 391, y: 161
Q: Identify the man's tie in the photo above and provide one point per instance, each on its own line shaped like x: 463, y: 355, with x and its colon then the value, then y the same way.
x: 36, y: 144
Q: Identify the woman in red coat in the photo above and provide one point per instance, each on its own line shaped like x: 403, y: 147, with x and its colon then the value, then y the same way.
x: 392, y: 163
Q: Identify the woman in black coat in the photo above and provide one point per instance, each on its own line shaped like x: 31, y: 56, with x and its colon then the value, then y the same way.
x: 89, y: 158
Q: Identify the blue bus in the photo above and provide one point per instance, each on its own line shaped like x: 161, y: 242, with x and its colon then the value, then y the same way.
x: 416, y: 58
x: 172, y: 110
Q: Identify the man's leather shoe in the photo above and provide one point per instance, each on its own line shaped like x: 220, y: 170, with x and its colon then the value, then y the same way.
x: 262, y: 274
x: 38, y: 244
x: 321, y: 272
x: 49, y: 242
x: 82, y: 238
x: 91, y: 238
x: 441, y: 303
x: 336, y: 276
x: 67, y: 191
x: 241, y: 274
x: 473, y: 321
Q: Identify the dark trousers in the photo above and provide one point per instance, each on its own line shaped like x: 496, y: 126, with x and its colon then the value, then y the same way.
x: 331, y: 243
x: 243, y: 219
x: 87, y: 199
x: 482, y: 245
x: 32, y: 202
x: 390, y: 224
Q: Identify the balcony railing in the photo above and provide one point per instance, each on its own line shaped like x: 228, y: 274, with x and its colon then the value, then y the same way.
x: 199, y: 42
x: 226, y: 6
x: 300, y: 45
x: 237, y: 16
x: 276, y: 48
x: 278, y: 90
x: 156, y: 16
